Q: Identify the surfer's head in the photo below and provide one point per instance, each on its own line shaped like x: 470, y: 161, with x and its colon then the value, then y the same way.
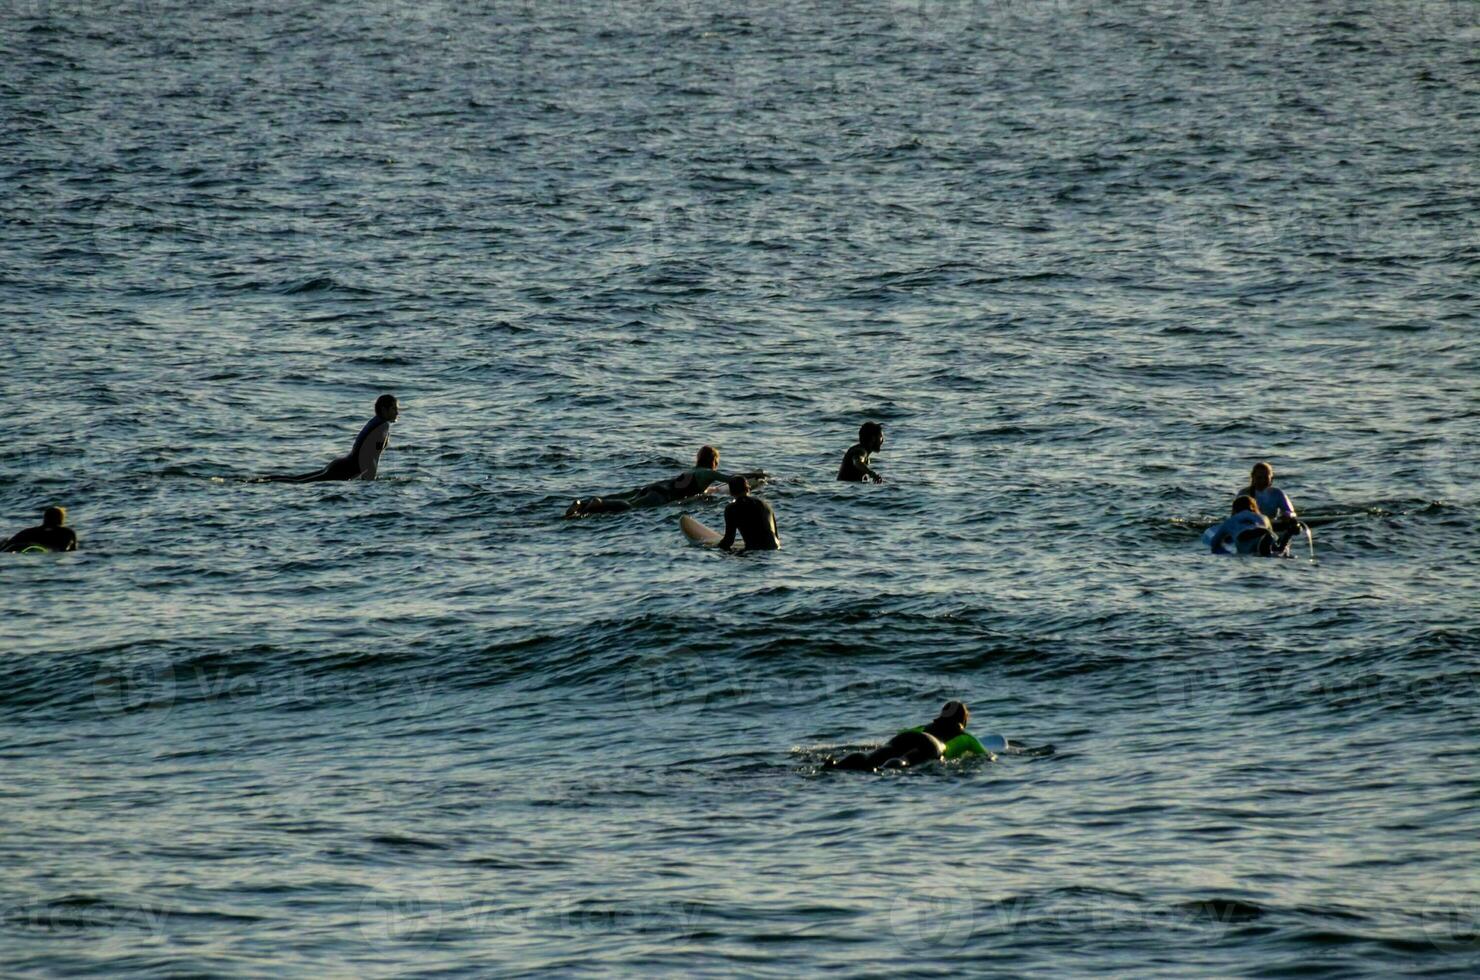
x: 951, y: 721
x: 54, y: 517
x: 739, y: 486
x: 1243, y: 503
x: 1261, y: 477
x: 387, y: 407
x: 871, y: 436
x: 955, y: 711
x: 708, y: 457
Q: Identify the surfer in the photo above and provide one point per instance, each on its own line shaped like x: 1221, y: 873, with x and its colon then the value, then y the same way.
x: 855, y: 468
x: 51, y: 535
x: 913, y: 747
x: 1249, y: 532
x: 690, y: 483
x: 363, y: 461
x: 1271, y: 499
x: 752, y: 517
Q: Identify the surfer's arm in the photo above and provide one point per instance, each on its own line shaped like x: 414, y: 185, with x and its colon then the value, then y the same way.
x: 728, y: 540
x: 369, y: 461
x: 859, y: 457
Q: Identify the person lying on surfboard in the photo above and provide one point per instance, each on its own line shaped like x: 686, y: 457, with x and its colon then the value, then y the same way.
x: 752, y: 517
x: 1248, y: 532
x: 51, y: 535
x: 924, y: 744
x: 689, y: 483
x: 855, y: 468
x: 363, y: 461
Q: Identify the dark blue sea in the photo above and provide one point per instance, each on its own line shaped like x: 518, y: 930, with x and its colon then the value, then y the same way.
x: 1086, y: 262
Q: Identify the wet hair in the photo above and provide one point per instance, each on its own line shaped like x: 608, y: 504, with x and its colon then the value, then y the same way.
x: 1245, y: 502
x: 54, y: 517
x: 955, y: 709
x: 707, y: 457
x: 739, y: 486
x: 1261, y: 468
x: 868, y: 430
x: 383, y: 404
x: 950, y: 722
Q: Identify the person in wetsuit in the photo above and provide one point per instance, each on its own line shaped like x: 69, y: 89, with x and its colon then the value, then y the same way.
x: 855, y: 468
x: 51, y: 535
x: 689, y: 483
x: 1272, y: 501
x: 913, y: 747
x: 1248, y: 532
x: 752, y: 517
x: 363, y: 461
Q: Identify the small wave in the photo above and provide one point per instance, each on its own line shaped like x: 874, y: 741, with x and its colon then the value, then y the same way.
x: 318, y: 284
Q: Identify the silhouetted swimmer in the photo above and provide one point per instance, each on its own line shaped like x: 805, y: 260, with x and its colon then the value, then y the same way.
x: 1248, y: 532
x: 1272, y: 501
x: 690, y: 483
x: 913, y: 747
x: 855, y: 468
x: 752, y: 517
x: 363, y: 461
x: 52, y: 534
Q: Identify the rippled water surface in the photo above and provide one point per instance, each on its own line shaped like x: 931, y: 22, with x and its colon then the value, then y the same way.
x: 1086, y: 262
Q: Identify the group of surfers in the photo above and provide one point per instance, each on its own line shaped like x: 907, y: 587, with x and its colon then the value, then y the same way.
x: 1248, y: 530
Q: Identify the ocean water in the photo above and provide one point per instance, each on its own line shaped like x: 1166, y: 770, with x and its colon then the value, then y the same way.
x: 1085, y: 261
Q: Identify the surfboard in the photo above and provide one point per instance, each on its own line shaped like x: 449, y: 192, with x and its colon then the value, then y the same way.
x: 699, y: 534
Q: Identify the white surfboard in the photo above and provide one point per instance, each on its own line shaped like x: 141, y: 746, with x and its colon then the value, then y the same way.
x: 699, y: 534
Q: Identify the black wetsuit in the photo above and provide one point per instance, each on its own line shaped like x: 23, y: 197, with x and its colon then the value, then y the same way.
x: 756, y: 522
x: 904, y: 749
x: 363, y: 461
x: 855, y: 468
x: 59, y: 538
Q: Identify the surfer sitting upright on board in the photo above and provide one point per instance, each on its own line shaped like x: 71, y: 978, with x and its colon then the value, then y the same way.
x: 51, y: 535
x: 690, y: 483
x: 752, y: 517
x: 855, y: 468
x: 1271, y: 499
x: 363, y: 460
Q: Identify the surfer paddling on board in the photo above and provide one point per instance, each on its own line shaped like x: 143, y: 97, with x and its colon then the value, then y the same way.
x: 925, y: 744
x: 1272, y: 501
x: 363, y: 461
x: 690, y: 483
x: 855, y: 468
x: 752, y: 517
x: 51, y: 535
x: 1248, y: 532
